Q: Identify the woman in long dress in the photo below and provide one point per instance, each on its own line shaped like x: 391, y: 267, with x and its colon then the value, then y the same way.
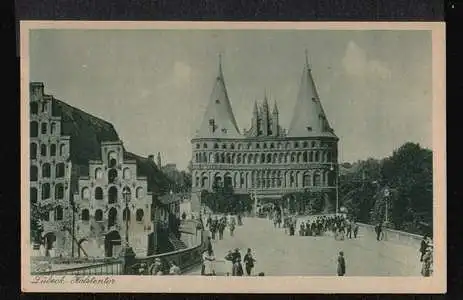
x: 209, y: 263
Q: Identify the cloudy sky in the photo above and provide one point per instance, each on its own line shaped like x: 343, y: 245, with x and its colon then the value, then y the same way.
x: 153, y: 85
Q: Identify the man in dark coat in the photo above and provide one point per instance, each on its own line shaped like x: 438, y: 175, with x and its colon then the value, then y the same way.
x: 341, y: 264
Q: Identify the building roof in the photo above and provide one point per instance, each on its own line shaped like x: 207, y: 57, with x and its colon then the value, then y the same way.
x: 87, y: 133
x: 219, y: 114
x: 309, y: 118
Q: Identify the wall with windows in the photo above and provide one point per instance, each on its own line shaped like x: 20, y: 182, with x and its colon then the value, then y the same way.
x: 101, y: 202
x: 50, y: 170
x: 269, y: 166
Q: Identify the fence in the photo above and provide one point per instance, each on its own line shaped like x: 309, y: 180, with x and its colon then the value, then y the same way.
x: 184, y: 258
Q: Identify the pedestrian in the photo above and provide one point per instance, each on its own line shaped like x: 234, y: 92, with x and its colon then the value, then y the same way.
x: 237, y: 267
x: 378, y: 230
x: 426, y: 269
x: 174, y: 269
x: 232, y: 228
x: 423, y: 246
x: 156, y: 267
x: 341, y: 264
x: 249, y: 262
x: 208, y: 262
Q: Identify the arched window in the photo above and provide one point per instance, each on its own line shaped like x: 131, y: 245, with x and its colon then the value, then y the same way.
x: 34, y: 129
x: 127, y: 173
x: 62, y: 149
x: 313, y: 144
x: 33, y: 196
x: 98, y: 193
x: 329, y: 157
x: 43, y: 128
x: 257, y: 146
x: 43, y: 150
x: 305, y: 144
x: 52, y: 150
x: 224, y: 146
x: 222, y: 158
x: 265, y: 145
x: 45, y: 191
x: 139, y: 215
x: 112, y: 195
x: 272, y: 145
x: 46, y: 170
x: 293, y: 157
x: 33, y: 151
x: 216, y: 146
x: 304, y: 156
x: 306, y: 179
x: 198, y: 146
x: 34, y: 107
x: 310, y: 156
x: 98, y: 173
x: 59, y: 191
x: 34, y: 173
x: 139, y: 192
x: 262, y: 158
x: 98, y: 215
x: 85, y: 215
x: 317, y: 156
x: 58, y: 213
x: 60, y: 170
x: 112, y: 217
x: 126, y: 214
x: 52, y: 127
x: 112, y: 175
x: 205, y: 146
x: 85, y: 194
x: 112, y: 161
x: 316, y: 179
x: 269, y: 158
x: 238, y: 158
x: 296, y: 144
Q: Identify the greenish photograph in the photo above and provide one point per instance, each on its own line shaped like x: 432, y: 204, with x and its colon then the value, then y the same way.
x: 231, y: 153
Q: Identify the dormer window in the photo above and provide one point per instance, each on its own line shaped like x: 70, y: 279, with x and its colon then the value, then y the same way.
x: 309, y: 128
x: 313, y: 99
x: 212, y: 124
x: 224, y: 146
x: 217, y: 101
x: 224, y: 130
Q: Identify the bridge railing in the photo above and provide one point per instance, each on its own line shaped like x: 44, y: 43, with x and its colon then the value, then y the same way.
x: 396, y: 236
x: 113, y: 267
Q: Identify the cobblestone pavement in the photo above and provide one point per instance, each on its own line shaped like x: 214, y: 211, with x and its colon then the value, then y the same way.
x: 279, y: 254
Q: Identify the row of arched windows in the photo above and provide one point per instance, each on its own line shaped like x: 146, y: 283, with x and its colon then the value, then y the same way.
x: 85, y: 215
x: 34, y: 107
x: 44, y: 128
x: 46, y: 171
x: 46, y: 192
x: 113, y: 194
x: 262, y: 158
x: 265, y: 145
x: 44, y: 150
x: 57, y: 214
x: 113, y: 174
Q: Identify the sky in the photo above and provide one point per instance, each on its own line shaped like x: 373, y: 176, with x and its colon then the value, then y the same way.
x: 154, y: 85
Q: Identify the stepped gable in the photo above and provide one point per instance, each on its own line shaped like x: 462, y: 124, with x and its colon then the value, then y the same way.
x: 87, y: 132
x: 158, y: 183
x: 309, y: 118
x: 218, y: 120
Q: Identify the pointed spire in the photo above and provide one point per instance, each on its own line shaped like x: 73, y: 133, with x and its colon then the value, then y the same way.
x: 265, y: 98
x: 309, y: 118
x: 307, y: 59
x: 219, y: 120
x: 255, y: 111
x: 275, y: 108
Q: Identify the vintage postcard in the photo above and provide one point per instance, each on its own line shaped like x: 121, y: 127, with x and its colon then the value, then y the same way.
x: 204, y: 157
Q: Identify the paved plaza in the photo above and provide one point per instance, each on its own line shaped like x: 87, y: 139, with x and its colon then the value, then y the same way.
x: 278, y: 254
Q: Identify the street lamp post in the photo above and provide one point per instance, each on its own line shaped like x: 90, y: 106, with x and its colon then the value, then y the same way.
x: 127, y: 253
x: 332, y: 169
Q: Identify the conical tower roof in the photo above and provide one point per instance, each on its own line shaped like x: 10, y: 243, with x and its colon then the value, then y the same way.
x: 309, y: 118
x: 219, y: 113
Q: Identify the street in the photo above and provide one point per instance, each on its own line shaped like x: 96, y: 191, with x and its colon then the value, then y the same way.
x: 278, y: 254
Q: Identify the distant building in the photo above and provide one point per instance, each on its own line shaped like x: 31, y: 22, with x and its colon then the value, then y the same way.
x: 50, y: 170
x: 266, y: 160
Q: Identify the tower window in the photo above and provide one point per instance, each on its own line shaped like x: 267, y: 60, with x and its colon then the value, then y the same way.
x: 217, y: 101
x: 309, y: 128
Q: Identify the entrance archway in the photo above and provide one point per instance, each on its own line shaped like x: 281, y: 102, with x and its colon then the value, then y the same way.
x: 112, y: 238
x: 49, y: 241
